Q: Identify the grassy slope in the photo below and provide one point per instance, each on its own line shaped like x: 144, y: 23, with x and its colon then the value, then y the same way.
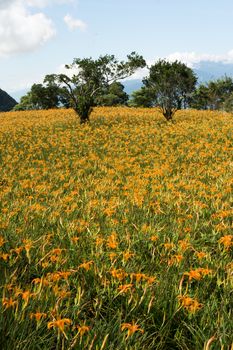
x: 124, y: 221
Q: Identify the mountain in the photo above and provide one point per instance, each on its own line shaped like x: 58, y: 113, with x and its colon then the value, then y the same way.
x: 6, y: 101
x: 206, y: 70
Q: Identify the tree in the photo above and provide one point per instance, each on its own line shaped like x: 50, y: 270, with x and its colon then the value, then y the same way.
x: 218, y: 92
x: 228, y: 103
x: 25, y: 103
x: 56, y: 95
x: 142, y: 98
x: 91, y: 79
x: 114, y: 95
x: 44, y: 97
x: 213, y: 95
x: 200, y: 98
x: 171, y: 85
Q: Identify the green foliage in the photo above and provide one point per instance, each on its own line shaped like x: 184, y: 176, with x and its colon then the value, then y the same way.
x: 142, y: 204
x: 44, y: 97
x: 200, y: 98
x: 141, y: 98
x: 215, y: 95
x: 114, y: 96
x: 228, y: 103
x: 25, y: 103
x: 171, y: 85
x: 91, y: 79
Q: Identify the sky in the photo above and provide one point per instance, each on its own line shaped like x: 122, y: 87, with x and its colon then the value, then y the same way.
x: 38, y: 37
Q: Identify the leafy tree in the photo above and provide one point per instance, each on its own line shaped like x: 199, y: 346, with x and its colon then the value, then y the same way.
x: 91, y: 79
x: 200, y: 98
x: 56, y: 95
x: 25, y: 103
x: 219, y: 91
x: 44, y: 97
x: 142, y: 98
x: 171, y: 85
x: 114, y: 96
x: 228, y: 103
x: 213, y: 95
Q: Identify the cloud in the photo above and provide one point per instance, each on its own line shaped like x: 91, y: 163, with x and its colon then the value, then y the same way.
x: 44, y: 3
x: 5, y: 3
x: 73, y: 23
x: 139, y: 74
x: 193, y: 58
x: 20, y: 30
x: 69, y: 72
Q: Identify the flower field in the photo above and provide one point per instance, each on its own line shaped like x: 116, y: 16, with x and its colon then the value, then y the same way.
x: 116, y: 234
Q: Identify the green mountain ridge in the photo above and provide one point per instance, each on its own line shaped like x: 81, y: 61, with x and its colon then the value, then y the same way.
x: 6, y: 101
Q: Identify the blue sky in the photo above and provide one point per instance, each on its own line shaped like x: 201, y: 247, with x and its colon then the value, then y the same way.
x: 40, y: 36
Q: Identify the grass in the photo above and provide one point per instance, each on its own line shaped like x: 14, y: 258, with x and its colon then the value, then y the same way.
x: 116, y: 234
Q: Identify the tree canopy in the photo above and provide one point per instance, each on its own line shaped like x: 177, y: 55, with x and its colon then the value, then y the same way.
x: 44, y: 97
x: 90, y: 78
x: 214, y: 95
x: 142, y: 98
x: 95, y: 82
x: 114, y: 95
x: 170, y: 86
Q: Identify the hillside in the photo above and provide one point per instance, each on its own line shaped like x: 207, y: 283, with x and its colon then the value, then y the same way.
x: 116, y: 234
x: 6, y: 102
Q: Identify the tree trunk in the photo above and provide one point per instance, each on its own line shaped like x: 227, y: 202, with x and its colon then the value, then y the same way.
x: 168, y: 114
x: 84, y: 114
x: 84, y: 118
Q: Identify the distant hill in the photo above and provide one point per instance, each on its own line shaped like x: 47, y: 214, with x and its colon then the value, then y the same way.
x: 6, y: 102
x: 206, y: 70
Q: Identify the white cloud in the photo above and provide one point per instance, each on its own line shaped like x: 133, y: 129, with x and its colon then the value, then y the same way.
x: 139, y: 74
x: 73, y: 23
x: 69, y: 72
x: 44, y: 3
x: 5, y: 3
x: 20, y: 30
x: 193, y: 58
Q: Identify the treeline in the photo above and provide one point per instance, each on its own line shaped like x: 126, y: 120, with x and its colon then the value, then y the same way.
x: 213, y: 95
x: 168, y: 86
x: 49, y: 95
